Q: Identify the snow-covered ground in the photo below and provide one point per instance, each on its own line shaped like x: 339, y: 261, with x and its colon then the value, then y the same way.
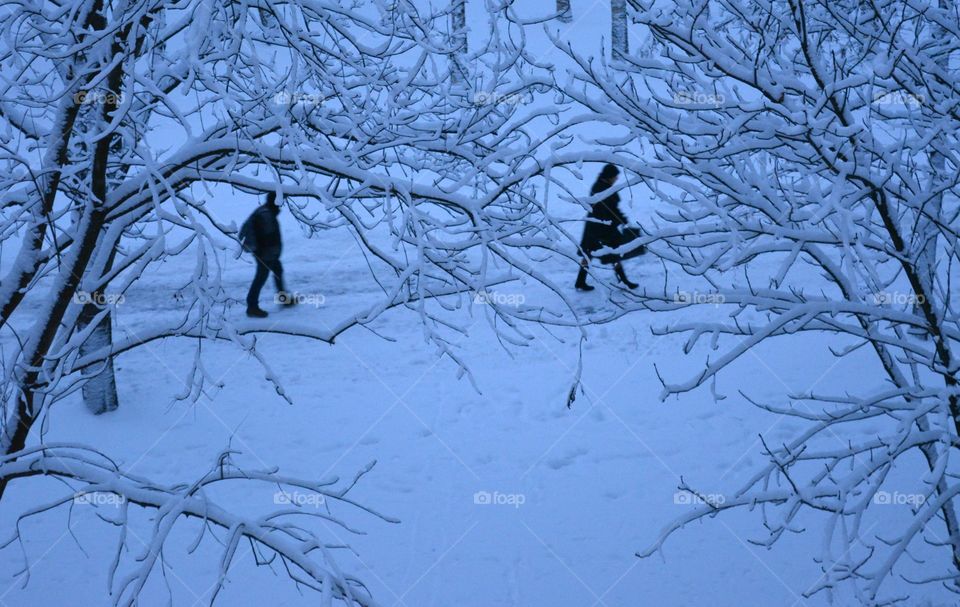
x: 575, y: 493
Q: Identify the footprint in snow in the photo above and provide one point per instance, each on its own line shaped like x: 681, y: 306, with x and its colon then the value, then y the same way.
x: 613, y: 494
x: 565, y: 460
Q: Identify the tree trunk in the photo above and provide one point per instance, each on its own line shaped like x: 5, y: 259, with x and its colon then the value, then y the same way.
x: 927, y: 229
x: 619, y: 44
x: 100, y: 385
x: 458, y: 35
x: 100, y: 388
x: 563, y: 9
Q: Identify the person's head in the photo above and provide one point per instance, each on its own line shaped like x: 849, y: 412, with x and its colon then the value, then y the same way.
x: 272, y: 202
x: 608, y: 175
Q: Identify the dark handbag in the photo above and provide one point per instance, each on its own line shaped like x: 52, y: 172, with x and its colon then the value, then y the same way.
x: 625, y: 236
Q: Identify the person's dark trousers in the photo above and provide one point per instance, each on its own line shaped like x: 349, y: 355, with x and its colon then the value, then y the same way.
x: 265, y: 265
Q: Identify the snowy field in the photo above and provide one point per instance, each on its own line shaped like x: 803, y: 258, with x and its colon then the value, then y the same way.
x: 579, y: 490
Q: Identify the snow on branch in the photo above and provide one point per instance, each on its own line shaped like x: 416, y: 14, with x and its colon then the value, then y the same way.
x: 278, y: 536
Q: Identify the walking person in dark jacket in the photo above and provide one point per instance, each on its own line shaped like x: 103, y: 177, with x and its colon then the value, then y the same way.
x: 260, y: 235
x: 606, y: 227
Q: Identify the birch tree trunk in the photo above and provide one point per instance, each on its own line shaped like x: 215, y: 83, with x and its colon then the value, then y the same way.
x: 100, y: 387
x: 458, y: 36
x: 619, y: 45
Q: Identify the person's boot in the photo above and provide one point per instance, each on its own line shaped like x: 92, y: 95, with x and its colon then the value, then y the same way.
x: 256, y: 312
x: 622, y: 276
x: 581, y: 283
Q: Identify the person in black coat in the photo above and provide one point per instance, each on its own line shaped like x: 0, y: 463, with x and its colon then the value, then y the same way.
x: 260, y: 235
x: 606, y: 227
